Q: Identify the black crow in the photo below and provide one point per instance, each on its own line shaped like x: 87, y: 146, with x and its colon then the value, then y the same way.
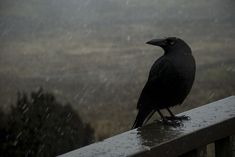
x: 170, y: 80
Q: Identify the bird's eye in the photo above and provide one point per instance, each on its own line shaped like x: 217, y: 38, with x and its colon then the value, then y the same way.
x: 170, y: 42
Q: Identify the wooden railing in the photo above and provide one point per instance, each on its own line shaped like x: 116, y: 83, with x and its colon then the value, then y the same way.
x: 211, y: 123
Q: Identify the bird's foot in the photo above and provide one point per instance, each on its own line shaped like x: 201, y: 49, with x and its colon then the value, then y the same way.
x: 171, y: 122
x: 178, y: 118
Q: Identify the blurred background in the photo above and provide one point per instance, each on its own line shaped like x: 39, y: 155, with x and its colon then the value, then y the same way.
x: 92, y: 54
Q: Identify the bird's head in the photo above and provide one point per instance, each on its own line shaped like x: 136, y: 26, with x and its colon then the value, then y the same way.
x: 171, y: 44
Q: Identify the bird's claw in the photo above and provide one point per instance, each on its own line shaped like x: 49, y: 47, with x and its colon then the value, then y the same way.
x: 171, y: 122
x: 178, y: 118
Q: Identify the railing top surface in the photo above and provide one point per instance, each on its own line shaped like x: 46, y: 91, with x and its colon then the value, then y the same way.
x: 208, y: 123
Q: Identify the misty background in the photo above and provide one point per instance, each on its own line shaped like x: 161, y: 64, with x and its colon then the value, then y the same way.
x: 92, y: 53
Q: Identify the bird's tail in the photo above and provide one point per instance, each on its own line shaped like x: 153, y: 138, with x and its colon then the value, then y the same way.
x: 141, y: 116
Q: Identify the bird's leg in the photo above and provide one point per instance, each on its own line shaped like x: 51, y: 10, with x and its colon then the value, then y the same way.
x: 161, y: 115
x: 173, y: 117
x: 168, y: 121
x: 149, y: 116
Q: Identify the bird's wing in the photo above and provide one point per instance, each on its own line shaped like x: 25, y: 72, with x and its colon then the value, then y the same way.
x: 159, y: 81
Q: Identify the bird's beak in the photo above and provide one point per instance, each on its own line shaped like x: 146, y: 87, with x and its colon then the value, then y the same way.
x: 157, y: 42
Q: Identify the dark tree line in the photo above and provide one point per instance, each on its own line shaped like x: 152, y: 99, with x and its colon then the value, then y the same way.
x: 38, y: 125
